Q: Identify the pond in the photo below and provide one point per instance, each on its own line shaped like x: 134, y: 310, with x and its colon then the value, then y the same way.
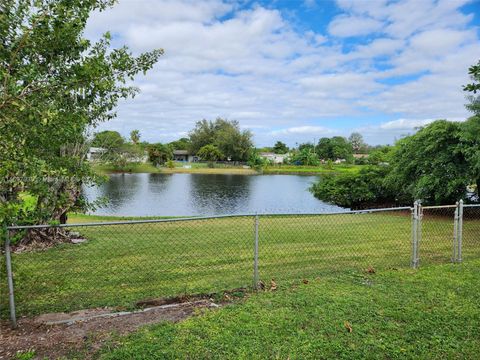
x: 201, y: 194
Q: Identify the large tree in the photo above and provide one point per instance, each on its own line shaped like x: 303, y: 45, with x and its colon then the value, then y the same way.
x: 473, y: 88
x: 430, y: 165
x: 209, y: 153
x: 108, y: 139
x: 358, y: 144
x: 135, y: 136
x: 471, y: 128
x: 226, y: 135
x: 470, y: 138
x: 280, y: 148
x: 159, y: 154
x: 55, y: 85
x: 180, y: 144
x: 334, y: 148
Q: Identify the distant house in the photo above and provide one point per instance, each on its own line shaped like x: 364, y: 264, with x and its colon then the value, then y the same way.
x: 95, y: 153
x: 275, y: 158
x: 184, y: 156
x: 360, y: 156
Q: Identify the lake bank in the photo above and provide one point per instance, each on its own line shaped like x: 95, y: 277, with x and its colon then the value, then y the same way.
x: 196, y: 168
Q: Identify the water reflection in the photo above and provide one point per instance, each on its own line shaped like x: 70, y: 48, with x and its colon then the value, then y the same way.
x: 215, y: 194
x: 199, y: 194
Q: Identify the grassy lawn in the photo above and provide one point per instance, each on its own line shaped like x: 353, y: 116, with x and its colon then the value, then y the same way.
x: 122, y: 264
x: 312, y: 170
x: 202, y: 168
x: 105, y: 169
x: 207, y: 170
x: 432, y: 313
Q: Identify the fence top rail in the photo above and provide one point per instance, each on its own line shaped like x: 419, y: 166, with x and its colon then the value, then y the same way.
x: 193, y: 218
x: 439, y: 207
x: 471, y: 205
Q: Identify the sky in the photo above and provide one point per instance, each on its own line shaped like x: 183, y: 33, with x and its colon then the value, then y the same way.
x: 294, y: 70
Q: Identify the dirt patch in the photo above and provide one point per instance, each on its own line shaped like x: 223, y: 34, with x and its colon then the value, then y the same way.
x: 58, y: 335
x: 44, y: 239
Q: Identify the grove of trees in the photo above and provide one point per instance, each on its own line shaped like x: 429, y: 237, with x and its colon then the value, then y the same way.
x: 232, y: 143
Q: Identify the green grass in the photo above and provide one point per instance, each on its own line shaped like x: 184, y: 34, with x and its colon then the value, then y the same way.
x: 105, y: 169
x: 122, y: 264
x: 76, y: 218
x: 312, y: 170
x: 202, y: 168
x: 432, y: 313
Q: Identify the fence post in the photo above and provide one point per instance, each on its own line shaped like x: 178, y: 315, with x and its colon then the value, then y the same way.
x: 11, y: 297
x: 415, y: 235
x: 460, y: 230
x: 455, y: 234
x: 255, y: 256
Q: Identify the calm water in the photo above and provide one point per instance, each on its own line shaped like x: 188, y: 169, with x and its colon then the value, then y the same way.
x: 198, y: 194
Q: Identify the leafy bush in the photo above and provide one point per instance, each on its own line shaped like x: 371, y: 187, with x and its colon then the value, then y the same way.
x: 159, y: 154
x: 355, y: 190
x: 209, y: 153
x: 256, y: 161
x: 305, y: 156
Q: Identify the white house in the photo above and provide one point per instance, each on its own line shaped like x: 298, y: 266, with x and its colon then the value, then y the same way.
x: 95, y: 153
x: 184, y: 156
x: 275, y: 158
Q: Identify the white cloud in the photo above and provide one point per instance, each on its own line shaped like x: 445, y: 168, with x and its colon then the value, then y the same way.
x: 303, y: 130
x: 249, y: 63
x: 346, y: 26
x: 405, y: 124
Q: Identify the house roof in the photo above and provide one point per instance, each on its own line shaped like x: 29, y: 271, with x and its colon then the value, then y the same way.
x: 97, y: 149
x: 272, y: 154
x: 181, y: 152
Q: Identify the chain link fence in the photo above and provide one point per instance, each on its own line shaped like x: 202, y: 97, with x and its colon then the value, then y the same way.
x: 470, y: 232
x: 437, y: 234
x: 119, y: 264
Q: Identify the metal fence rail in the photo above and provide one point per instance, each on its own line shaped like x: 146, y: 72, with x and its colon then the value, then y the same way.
x: 119, y: 263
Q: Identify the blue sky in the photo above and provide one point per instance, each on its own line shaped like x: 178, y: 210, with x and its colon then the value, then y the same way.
x: 296, y: 70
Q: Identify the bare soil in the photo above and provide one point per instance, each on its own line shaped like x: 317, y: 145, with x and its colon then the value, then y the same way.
x: 63, y: 335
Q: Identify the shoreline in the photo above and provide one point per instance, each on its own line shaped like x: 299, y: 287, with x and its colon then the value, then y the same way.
x: 286, y: 170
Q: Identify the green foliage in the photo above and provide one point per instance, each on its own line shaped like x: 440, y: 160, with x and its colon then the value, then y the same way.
x: 309, y: 146
x: 434, y: 165
x: 355, y: 190
x: 135, y: 136
x: 209, y: 153
x: 430, y: 165
x: 280, y: 148
x: 226, y: 135
x: 265, y: 149
x: 380, y: 154
x: 474, y: 105
x: 170, y: 164
x: 256, y: 161
x: 159, y: 154
x: 470, y: 140
x: 55, y: 85
x: 108, y: 139
x: 180, y: 144
x: 334, y: 148
x: 357, y: 143
x: 305, y: 157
